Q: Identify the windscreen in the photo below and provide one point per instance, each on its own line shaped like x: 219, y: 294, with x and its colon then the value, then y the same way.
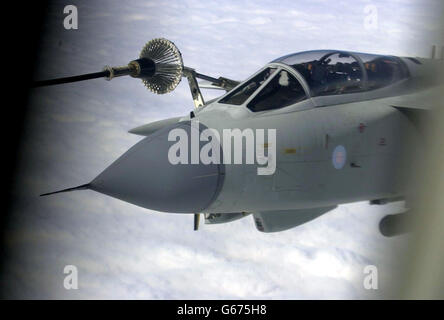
x: 241, y: 94
x: 283, y: 90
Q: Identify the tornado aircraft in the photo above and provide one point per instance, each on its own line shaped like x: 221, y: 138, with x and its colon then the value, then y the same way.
x: 307, y: 132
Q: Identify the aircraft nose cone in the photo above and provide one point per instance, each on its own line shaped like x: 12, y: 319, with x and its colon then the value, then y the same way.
x: 145, y: 177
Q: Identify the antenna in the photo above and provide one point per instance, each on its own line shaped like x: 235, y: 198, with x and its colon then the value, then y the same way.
x: 433, y: 52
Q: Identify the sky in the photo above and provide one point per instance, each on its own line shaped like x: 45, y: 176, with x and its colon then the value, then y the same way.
x: 75, y: 131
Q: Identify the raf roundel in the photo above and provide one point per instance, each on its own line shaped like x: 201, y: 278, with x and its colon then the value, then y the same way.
x: 339, y: 157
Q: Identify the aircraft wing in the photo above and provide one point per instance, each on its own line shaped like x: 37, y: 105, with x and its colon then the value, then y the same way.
x: 274, y: 221
x: 427, y: 99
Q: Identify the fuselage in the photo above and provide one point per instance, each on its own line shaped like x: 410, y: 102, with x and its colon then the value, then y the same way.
x: 372, y: 135
x: 377, y: 141
x: 339, y: 139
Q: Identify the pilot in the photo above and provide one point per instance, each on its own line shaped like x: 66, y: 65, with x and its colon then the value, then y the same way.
x: 318, y: 75
x: 284, y: 79
x: 372, y: 75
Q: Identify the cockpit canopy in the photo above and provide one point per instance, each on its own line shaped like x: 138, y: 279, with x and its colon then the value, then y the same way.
x: 329, y: 72
x: 325, y: 73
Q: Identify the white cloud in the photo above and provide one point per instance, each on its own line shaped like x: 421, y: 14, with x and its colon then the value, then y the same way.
x: 123, y: 251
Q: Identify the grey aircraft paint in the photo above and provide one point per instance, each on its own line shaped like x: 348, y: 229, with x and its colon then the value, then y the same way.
x: 330, y: 149
x: 144, y: 176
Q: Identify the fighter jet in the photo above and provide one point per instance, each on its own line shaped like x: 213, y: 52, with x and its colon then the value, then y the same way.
x: 327, y: 127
